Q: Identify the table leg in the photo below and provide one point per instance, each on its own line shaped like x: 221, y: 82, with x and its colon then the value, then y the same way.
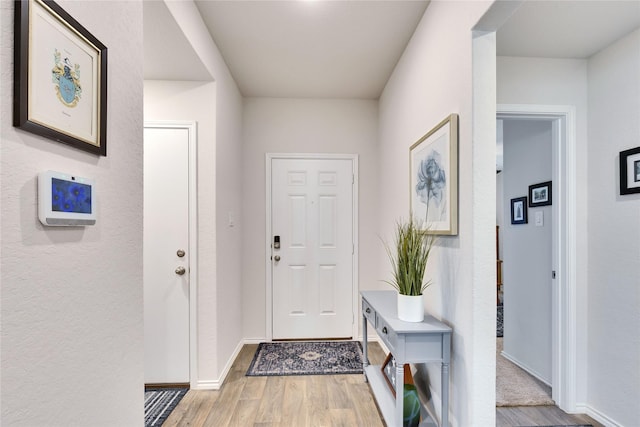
x: 365, y: 357
x: 399, y: 394
x: 446, y: 358
x: 445, y: 395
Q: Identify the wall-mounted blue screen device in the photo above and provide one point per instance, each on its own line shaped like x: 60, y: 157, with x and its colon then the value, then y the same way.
x: 66, y: 200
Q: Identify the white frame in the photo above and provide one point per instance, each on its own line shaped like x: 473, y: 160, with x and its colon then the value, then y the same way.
x: 45, y: 211
x: 564, y: 311
x: 192, y: 128
x: 268, y: 264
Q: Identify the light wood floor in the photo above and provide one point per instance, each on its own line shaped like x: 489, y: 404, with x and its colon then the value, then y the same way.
x: 315, y: 400
x: 539, y: 416
x: 310, y: 400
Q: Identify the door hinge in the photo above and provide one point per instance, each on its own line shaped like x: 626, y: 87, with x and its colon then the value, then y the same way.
x: 353, y: 178
x: 353, y: 249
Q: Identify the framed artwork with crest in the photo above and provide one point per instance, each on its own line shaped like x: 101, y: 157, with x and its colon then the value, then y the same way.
x: 60, y: 77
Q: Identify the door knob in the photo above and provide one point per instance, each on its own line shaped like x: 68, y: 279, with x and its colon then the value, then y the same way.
x: 180, y: 253
x: 276, y: 258
x: 180, y: 271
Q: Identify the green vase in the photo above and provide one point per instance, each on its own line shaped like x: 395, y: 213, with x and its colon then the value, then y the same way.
x: 411, y: 408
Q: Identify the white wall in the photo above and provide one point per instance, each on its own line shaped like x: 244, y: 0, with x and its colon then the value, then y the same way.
x: 432, y: 80
x: 527, y: 249
x: 175, y: 100
x: 542, y: 81
x: 226, y: 303
x: 72, y: 324
x: 614, y: 235
x: 304, y: 126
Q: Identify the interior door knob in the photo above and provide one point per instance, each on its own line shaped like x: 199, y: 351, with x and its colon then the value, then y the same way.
x: 180, y: 271
x: 276, y: 258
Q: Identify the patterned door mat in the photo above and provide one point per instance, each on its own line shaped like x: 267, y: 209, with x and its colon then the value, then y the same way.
x: 307, y: 358
x: 158, y: 404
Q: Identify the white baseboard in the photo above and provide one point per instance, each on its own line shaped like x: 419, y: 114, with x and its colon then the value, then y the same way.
x: 254, y: 340
x: 527, y: 368
x: 375, y: 338
x: 216, y: 384
x: 597, y: 415
x: 207, y: 385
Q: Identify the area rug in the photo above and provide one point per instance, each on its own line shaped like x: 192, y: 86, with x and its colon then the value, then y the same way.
x: 158, y: 404
x: 515, y: 387
x: 500, y: 321
x: 307, y: 358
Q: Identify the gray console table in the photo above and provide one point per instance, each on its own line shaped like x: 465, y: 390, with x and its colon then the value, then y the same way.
x: 428, y: 341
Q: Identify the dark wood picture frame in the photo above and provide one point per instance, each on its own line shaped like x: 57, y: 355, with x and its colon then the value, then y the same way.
x: 78, y: 92
x: 630, y: 171
x: 388, y: 372
x: 541, y: 194
x: 519, y: 210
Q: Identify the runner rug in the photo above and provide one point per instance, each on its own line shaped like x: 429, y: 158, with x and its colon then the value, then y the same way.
x: 307, y: 358
x: 158, y: 404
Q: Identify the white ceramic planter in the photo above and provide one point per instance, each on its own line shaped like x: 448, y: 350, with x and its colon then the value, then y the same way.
x: 410, y: 308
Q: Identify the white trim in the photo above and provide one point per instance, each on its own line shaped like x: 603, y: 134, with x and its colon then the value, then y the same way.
x: 564, y: 324
x: 597, y: 415
x: 217, y: 384
x: 526, y: 367
x: 192, y: 128
x: 355, y: 239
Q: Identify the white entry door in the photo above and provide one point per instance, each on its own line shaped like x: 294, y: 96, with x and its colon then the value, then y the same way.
x: 312, y: 270
x: 166, y: 254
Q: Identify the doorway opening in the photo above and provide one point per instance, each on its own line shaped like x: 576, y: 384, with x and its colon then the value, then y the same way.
x: 563, y: 272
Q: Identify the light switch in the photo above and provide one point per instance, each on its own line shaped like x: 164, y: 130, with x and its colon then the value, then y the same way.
x: 539, y: 219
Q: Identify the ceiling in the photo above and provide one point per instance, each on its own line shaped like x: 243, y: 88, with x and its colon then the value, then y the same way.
x: 167, y: 53
x: 566, y: 29
x: 348, y: 49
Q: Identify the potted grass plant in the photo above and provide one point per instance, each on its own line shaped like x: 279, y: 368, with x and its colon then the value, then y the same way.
x: 409, y: 259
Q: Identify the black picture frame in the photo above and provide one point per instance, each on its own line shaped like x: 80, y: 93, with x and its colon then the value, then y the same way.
x: 519, y: 210
x: 630, y: 171
x: 60, y: 77
x: 540, y: 194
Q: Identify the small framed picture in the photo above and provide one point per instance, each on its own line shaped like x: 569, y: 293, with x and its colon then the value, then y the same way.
x: 388, y: 369
x: 519, y: 210
x: 540, y: 194
x: 630, y: 171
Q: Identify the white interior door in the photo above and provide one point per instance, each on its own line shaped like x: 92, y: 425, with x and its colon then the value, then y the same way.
x: 312, y: 270
x: 166, y: 272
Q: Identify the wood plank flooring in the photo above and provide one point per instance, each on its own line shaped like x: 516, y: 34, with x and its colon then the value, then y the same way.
x: 539, y: 416
x: 309, y: 400
x: 315, y: 400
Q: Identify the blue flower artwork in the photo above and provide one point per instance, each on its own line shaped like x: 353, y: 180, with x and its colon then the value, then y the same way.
x: 70, y: 196
x: 430, y: 181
